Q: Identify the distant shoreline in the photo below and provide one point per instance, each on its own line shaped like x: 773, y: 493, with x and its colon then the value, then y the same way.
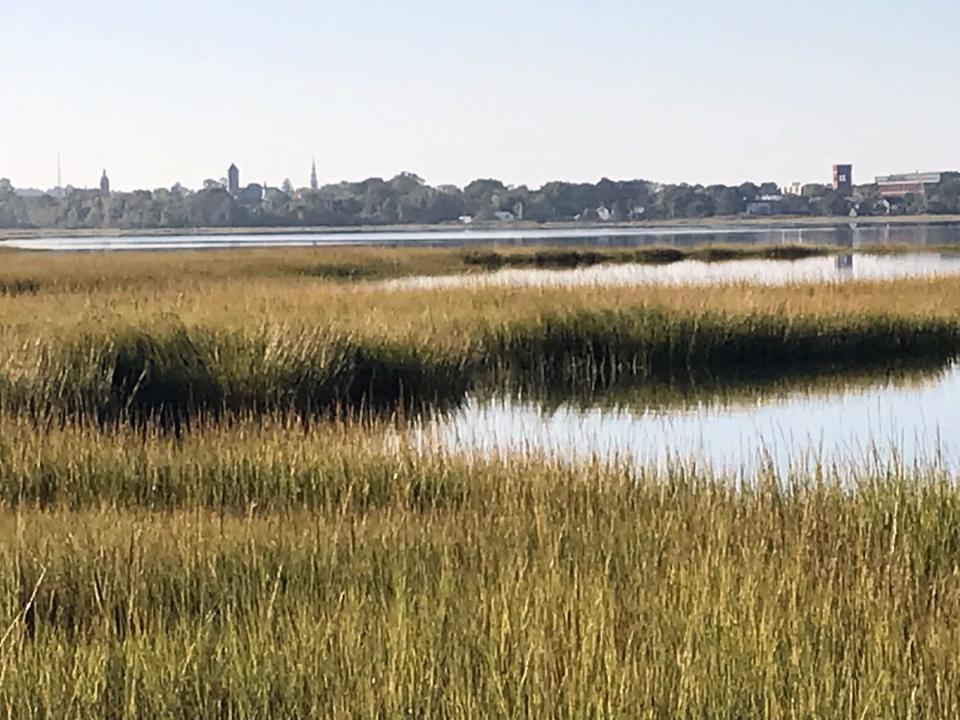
x: 719, y: 223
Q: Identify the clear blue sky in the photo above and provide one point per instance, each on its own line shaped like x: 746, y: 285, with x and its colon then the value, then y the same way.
x: 700, y: 91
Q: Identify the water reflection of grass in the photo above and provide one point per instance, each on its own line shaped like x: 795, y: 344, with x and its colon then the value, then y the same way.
x: 732, y: 390
x: 493, y: 259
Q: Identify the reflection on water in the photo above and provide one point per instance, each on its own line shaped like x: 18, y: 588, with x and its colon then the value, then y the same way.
x: 913, y: 419
x: 844, y: 264
x: 852, y: 236
x: 695, y: 272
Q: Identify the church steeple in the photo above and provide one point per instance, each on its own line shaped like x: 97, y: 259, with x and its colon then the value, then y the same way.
x: 105, y: 184
x: 314, y: 183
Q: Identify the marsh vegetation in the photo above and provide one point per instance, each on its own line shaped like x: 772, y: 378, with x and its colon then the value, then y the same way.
x: 211, y: 506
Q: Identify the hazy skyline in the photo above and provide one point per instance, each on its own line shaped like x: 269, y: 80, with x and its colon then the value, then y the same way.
x: 686, y: 91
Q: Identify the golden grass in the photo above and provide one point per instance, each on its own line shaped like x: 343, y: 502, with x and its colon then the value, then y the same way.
x: 234, y: 288
x: 241, y: 330
x: 535, y: 590
x: 273, y: 566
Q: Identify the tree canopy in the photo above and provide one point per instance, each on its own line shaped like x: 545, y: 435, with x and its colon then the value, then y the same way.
x: 408, y: 199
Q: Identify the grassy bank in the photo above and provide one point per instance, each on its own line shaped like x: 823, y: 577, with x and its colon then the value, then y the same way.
x: 173, y: 335
x: 493, y: 259
x: 431, y: 587
x: 31, y: 273
x: 173, y: 371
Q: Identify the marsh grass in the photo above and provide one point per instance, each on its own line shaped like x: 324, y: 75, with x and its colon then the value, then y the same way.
x: 19, y: 286
x: 494, y: 259
x: 78, y: 273
x: 261, y: 563
x: 170, y: 371
x: 475, y: 589
x: 202, y: 334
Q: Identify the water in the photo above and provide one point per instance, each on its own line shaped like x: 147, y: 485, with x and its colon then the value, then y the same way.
x: 693, y: 272
x: 911, y: 419
x: 852, y: 236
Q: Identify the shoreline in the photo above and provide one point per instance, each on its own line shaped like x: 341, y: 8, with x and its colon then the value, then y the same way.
x: 787, y: 222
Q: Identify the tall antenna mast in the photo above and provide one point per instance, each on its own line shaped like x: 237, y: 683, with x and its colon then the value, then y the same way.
x: 59, y: 173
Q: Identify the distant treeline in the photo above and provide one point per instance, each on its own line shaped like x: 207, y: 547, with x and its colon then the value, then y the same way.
x: 407, y: 199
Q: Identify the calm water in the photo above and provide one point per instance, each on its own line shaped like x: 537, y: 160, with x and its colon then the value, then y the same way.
x: 844, y: 235
x: 913, y: 419
x: 693, y: 272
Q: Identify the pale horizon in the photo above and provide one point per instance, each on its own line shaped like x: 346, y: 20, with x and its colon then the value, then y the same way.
x: 688, y: 93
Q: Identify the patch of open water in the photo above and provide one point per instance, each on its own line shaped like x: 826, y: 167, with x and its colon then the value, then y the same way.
x: 839, y: 268
x: 912, y: 419
x: 843, y: 235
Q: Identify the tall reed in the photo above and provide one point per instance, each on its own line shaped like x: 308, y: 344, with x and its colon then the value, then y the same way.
x: 536, y: 590
x: 171, y: 371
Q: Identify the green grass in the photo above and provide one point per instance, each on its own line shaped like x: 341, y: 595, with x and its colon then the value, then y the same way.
x: 172, y: 371
x: 288, y: 552
x: 472, y: 589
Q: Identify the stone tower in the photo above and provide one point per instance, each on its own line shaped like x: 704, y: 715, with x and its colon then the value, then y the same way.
x: 233, y: 180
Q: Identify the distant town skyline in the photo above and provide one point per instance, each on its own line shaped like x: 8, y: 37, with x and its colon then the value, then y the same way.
x: 691, y: 91
x: 843, y: 177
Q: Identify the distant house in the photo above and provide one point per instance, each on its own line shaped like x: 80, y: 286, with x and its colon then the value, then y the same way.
x: 251, y: 195
x: 761, y: 208
x: 765, y: 205
x: 894, y: 186
x: 813, y: 190
x: 504, y: 216
x: 604, y: 214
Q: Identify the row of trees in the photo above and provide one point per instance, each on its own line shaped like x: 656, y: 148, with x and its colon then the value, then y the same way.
x: 407, y: 199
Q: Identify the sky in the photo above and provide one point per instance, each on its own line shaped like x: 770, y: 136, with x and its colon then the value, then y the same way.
x: 528, y: 92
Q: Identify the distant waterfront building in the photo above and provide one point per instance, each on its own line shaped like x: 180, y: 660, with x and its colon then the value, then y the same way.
x: 813, y: 190
x: 104, y: 184
x: 794, y: 188
x: 314, y: 183
x: 898, y: 186
x: 233, y: 180
x: 843, y: 179
x: 763, y: 208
